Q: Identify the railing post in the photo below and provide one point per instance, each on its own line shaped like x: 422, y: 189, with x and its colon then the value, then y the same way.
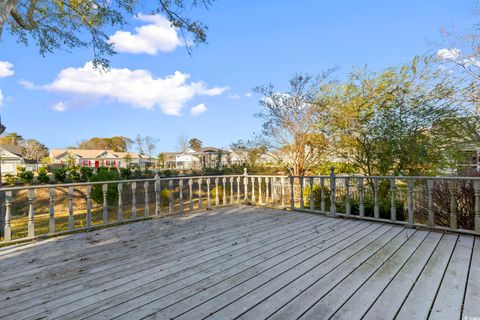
x: 105, y: 203
x: 134, y: 200
x: 217, y: 197
x: 292, y: 194
x: 393, y: 207
x: 146, y: 209
x: 348, y: 209
x: 253, y: 190
x: 224, y: 191
x: 453, y: 204
x: 267, y: 191
x: 120, y: 202
x: 333, y: 208
x: 170, y: 198
x: 232, y: 197
x: 70, y: 209
x: 376, y: 209
x: 89, y: 207
x: 200, y: 204
x: 51, y: 221
x: 283, y: 192
x: 361, y: 205
x: 245, y: 196
x: 180, y: 195
x: 190, y: 188
x: 8, y: 216
x: 156, y: 187
x: 238, y: 191
x: 431, y: 218
x: 476, y: 186
x: 322, y: 195
x: 302, y: 204
x: 260, y: 198
x: 312, y: 199
x: 209, y: 202
x: 410, y: 201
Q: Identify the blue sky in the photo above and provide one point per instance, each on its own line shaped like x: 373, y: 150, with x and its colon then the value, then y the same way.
x: 249, y: 43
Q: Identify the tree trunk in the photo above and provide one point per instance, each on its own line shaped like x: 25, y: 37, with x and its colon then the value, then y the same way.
x: 5, y: 7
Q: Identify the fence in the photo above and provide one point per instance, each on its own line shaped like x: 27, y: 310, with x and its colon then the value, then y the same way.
x: 444, y: 203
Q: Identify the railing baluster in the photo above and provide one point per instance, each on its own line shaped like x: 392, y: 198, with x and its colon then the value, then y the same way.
x: 51, y: 221
x: 224, y: 191
x: 312, y: 199
x: 453, y: 204
x: 260, y: 198
x: 245, y: 196
x: 253, y: 190
x: 376, y: 209
x: 147, y: 207
x: 322, y: 195
x: 410, y: 201
x: 157, y: 190
x: 476, y: 186
x: 105, y: 203
x: 292, y: 192
x: 89, y: 207
x: 170, y: 198
x: 431, y: 218
x: 134, y: 200
x: 190, y: 188
x: 348, y: 209
x: 8, y: 216
x: 361, y: 189
x: 393, y: 207
x: 267, y: 191
x: 282, y: 181
x: 232, y: 197
x: 120, y: 202
x: 274, y: 191
x: 209, y: 202
x: 238, y: 191
x: 302, y: 204
x: 31, y: 219
x: 333, y: 208
x: 70, y: 209
x: 200, y: 204
x: 180, y: 195
x: 217, y: 197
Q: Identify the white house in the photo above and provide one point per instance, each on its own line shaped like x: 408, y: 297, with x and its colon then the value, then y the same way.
x: 11, y: 157
x: 97, y: 158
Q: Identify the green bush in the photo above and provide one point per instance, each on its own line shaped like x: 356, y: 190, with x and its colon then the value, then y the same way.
x: 10, y: 179
x: 103, y: 174
x: 165, y: 196
x: 60, y: 174
x: 213, y: 191
x: 26, y: 176
x: 42, y: 176
x: 125, y: 173
x: 73, y: 174
x: 86, y: 173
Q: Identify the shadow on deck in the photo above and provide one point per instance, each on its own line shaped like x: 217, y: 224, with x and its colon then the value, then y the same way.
x: 249, y: 263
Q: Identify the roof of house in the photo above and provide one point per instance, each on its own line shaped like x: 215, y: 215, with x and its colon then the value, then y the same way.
x: 15, y: 149
x: 89, y: 153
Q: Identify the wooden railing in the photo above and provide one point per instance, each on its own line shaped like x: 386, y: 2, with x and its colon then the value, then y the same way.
x: 444, y: 203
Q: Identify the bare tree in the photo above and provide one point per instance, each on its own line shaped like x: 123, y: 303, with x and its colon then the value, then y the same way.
x: 291, y: 123
x: 150, y: 145
x: 182, y: 143
x: 139, y: 143
x: 35, y: 150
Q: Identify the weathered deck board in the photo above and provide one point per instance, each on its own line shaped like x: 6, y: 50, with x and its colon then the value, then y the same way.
x: 248, y: 263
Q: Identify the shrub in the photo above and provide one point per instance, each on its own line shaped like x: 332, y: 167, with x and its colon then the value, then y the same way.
x: 103, y: 174
x: 74, y: 175
x: 26, y: 176
x: 42, y: 176
x: 86, y: 173
x: 10, y: 179
x: 213, y: 191
x: 60, y: 174
x: 165, y: 196
x: 125, y: 173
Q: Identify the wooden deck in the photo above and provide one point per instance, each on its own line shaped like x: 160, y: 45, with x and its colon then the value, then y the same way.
x: 244, y: 263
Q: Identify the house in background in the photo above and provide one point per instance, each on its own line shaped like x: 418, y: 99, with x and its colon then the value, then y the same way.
x: 97, y: 158
x: 207, y: 157
x: 11, y: 156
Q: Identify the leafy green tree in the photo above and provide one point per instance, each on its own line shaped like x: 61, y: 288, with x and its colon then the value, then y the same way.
x: 34, y: 149
x: 195, y: 143
x: 161, y: 158
x: 117, y: 143
x: 11, y: 138
x: 58, y: 24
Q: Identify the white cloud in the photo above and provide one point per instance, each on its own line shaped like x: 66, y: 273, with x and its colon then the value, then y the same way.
x: 198, y: 109
x: 138, y: 88
x: 233, y: 96
x: 59, y: 107
x: 6, y: 69
x: 448, y: 54
x: 157, y: 35
x: 1, y: 98
x: 248, y: 94
x: 27, y: 84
